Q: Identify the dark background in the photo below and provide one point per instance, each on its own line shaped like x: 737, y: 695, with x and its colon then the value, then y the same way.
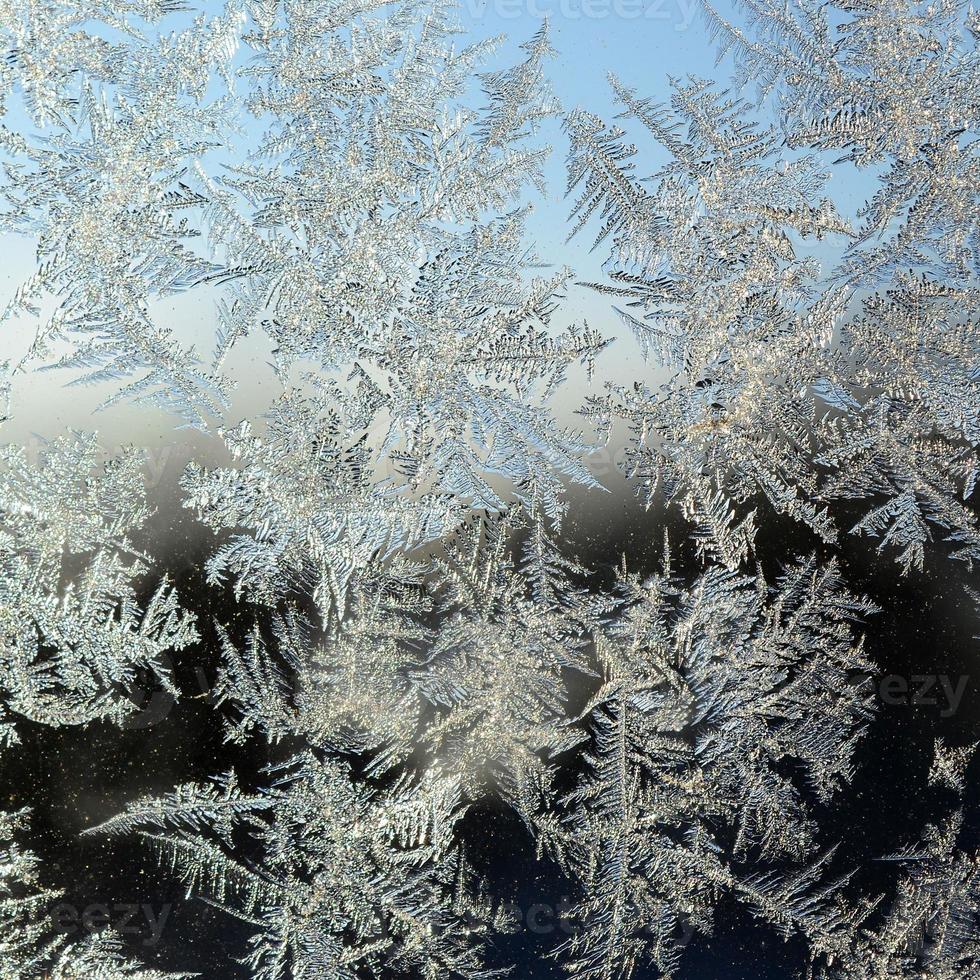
x: 75, y: 778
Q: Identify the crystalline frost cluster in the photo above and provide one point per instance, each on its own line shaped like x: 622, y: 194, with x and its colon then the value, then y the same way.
x: 349, y: 181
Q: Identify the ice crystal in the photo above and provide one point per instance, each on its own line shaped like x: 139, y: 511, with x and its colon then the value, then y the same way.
x: 378, y: 229
x: 912, y: 439
x: 100, y: 189
x: 931, y: 928
x: 305, y: 492
x: 712, y: 268
x: 891, y: 84
x: 716, y: 294
x: 349, y: 883
x: 706, y: 690
x: 461, y: 657
x: 397, y: 610
x: 460, y: 670
x: 74, y: 632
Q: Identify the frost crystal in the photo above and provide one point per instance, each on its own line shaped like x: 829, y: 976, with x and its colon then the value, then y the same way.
x: 348, y: 880
x: 74, y: 634
x: 789, y: 386
x: 400, y: 625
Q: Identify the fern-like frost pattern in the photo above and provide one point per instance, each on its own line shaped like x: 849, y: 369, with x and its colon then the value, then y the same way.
x: 392, y: 602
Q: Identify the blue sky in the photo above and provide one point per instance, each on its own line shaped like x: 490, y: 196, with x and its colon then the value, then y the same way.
x: 642, y: 41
